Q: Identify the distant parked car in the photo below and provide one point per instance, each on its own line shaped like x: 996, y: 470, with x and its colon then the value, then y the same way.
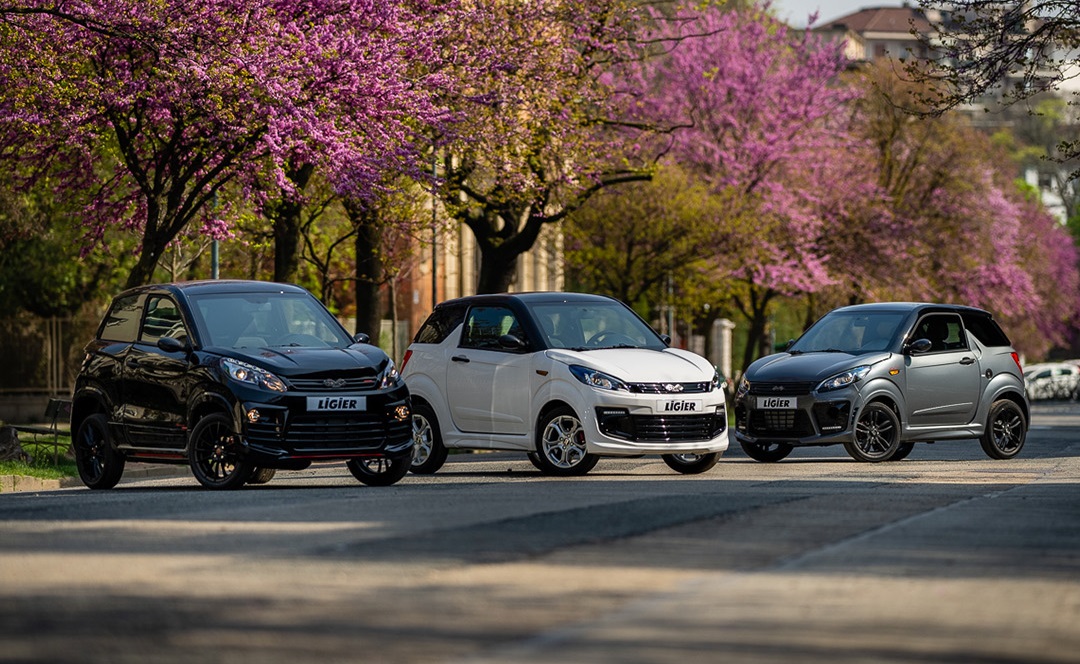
x: 236, y: 379
x: 878, y: 378
x: 565, y: 378
x: 1052, y: 380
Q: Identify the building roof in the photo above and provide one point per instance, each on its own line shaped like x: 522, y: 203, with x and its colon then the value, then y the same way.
x: 881, y: 19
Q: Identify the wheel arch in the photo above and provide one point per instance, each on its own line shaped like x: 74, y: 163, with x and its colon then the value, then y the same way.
x: 547, y: 408
x: 85, y: 404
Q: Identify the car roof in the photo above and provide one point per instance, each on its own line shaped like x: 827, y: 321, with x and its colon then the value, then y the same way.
x: 908, y: 307
x: 213, y: 286
x: 538, y: 297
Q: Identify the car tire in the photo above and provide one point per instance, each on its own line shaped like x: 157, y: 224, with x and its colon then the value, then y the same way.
x: 902, y: 452
x: 216, y: 459
x: 560, y: 444
x: 429, y: 453
x: 262, y: 475
x: 380, y: 471
x: 1006, y: 430
x: 99, y: 465
x: 691, y: 464
x: 877, y: 434
x: 766, y: 452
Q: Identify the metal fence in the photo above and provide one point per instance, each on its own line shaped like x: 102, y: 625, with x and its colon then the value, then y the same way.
x: 42, y: 355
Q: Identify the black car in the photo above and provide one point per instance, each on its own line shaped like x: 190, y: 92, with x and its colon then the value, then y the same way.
x: 238, y: 379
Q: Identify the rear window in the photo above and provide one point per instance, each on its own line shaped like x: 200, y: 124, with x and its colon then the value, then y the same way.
x: 986, y: 330
x: 440, y: 324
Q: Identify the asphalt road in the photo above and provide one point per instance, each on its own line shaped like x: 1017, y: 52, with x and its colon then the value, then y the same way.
x: 947, y: 556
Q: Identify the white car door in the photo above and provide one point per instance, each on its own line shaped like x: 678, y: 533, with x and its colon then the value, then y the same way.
x: 488, y: 385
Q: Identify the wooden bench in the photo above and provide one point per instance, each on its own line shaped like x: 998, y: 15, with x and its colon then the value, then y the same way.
x: 57, y: 411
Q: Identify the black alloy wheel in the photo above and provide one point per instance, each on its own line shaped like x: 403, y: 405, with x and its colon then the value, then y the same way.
x: 100, y: 466
x: 215, y: 456
x: 766, y: 452
x: 380, y: 471
x: 1006, y: 430
x: 877, y: 434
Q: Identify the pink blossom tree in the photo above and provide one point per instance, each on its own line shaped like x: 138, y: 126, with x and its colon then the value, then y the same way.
x: 757, y: 104
x: 147, y: 109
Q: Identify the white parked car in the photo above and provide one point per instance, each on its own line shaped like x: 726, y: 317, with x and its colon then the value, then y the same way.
x: 1052, y: 380
x: 564, y: 377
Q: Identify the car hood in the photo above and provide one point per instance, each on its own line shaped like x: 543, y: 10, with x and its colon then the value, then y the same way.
x: 296, y: 361
x: 641, y: 365
x: 808, y: 366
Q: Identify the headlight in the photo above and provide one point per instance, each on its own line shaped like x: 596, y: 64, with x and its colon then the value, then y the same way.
x: 849, y: 377
x: 597, y: 379
x: 715, y: 381
x: 246, y: 373
x: 744, y: 387
x: 390, y: 376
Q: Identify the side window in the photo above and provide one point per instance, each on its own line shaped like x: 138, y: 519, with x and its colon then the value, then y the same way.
x: 943, y: 330
x: 484, y: 326
x: 122, y: 321
x: 986, y: 330
x: 440, y: 324
x: 162, y: 320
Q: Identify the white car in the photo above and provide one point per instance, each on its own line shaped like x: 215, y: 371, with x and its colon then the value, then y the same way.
x: 1052, y: 380
x: 564, y: 377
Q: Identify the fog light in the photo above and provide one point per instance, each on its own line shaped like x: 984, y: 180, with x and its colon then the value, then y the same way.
x: 253, y: 415
x: 401, y: 413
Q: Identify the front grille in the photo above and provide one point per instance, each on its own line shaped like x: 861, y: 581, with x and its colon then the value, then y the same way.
x: 783, y: 423
x: 661, y: 428
x: 327, y: 433
x: 661, y: 388
x: 781, y: 389
x: 319, y: 384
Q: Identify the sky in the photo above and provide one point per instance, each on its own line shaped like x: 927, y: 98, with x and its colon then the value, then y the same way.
x: 795, y: 12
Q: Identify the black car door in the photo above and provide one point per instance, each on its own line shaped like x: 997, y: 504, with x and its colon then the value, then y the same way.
x: 155, y: 382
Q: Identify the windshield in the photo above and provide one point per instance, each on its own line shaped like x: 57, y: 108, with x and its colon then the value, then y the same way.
x: 256, y: 320
x: 850, y: 332
x: 595, y: 325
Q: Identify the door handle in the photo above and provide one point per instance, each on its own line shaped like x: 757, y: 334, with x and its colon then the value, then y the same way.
x: 460, y: 358
x: 967, y: 360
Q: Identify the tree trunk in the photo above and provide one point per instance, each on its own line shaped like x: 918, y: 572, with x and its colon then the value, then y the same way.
x: 497, y: 271
x: 369, y: 270
x: 285, y: 216
x: 757, y: 313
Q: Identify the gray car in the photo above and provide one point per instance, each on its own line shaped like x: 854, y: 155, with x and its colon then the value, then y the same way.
x: 879, y: 378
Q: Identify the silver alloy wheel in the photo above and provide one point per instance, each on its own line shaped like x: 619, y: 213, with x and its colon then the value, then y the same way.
x: 423, y: 439
x: 687, y: 458
x: 563, y: 441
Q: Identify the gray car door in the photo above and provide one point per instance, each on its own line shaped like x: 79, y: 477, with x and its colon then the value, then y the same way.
x: 944, y: 383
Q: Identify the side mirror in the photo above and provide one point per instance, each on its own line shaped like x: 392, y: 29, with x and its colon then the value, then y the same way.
x: 666, y: 339
x: 171, y: 345
x: 919, y: 346
x: 362, y: 338
x: 511, y: 342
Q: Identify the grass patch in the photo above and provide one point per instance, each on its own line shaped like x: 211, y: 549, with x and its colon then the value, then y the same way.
x: 42, y: 465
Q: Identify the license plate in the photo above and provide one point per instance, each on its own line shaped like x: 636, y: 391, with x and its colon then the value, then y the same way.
x: 680, y: 406
x: 776, y: 403
x: 337, y: 403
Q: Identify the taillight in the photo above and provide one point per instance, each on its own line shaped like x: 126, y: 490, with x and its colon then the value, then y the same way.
x: 408, y: 354
x: 1016, y: 358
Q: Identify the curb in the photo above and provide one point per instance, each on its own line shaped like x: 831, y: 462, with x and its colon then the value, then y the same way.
x: 132, y: 473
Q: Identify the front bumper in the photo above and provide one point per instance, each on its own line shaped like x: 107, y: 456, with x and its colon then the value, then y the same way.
x: 632, y: 424
x: 816, y: 419
x: 283, y: 429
